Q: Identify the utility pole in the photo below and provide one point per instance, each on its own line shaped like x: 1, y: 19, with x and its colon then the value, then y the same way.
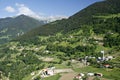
x: 103, y: 56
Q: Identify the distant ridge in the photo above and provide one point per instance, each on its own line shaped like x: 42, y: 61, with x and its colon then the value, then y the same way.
x: 12, y: 27
x: 83, y: 17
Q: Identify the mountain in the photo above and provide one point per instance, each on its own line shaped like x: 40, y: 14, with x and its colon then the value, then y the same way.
x: 66, y: 43
x: 85, y: 16
x: 24, y: 57
x: 12, y: 27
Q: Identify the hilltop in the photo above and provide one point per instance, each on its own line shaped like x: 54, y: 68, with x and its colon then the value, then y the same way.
x: 12, y: 27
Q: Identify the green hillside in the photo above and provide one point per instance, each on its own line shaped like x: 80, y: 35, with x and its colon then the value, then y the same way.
x: 25, y: 56
x: 60, y: 42
x: 14, y: 27
x: 85, y: 16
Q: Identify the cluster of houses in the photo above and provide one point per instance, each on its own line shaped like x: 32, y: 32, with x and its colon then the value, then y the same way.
x: 107, y: 58
x: 98, y: 59
x: 80, y: 76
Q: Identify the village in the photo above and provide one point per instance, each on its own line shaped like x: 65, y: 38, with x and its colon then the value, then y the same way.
x: 69, y: 73
x: 69, y: 68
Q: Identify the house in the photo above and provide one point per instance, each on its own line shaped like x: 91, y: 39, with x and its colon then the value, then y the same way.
x: 90, y: 74
x: 47, y: 72
x: 50, y: 71
x: 82, y: 74
x: 78, y: 77
x: 109, y: 58
x: 98, y: 74
x: 106, y: 65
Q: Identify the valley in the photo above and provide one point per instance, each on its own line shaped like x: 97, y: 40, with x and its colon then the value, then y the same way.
x: 86, y: 46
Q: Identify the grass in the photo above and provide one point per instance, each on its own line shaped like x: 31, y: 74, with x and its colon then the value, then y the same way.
x: 109, y: 16
x: 107, y: 73
x: 99, y: 48
x: 61, y: 66
x: 4, y: 37
x: 28, y: 77
x: 55, y: 77
x: 63, y: 43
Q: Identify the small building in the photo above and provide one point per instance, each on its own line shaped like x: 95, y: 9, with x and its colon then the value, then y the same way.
x: 90, y: 74
x: 78, y: 77
x: 98, y: 74
x: 109, y: 58
x: 47, y: 72
x: 106, y: 65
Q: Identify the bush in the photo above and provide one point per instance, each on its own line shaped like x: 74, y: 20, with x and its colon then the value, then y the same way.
x: 37, y: 78
x: 69, y: 63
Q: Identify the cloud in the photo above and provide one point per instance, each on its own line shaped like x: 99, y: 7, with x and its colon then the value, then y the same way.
x: 10, y: 9
x: 22, y: 9
x: 57, y: 17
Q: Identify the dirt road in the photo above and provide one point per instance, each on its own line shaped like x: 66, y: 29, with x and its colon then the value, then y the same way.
x: 68, y: 76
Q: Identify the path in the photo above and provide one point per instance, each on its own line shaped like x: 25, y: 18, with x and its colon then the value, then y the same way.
x: 38, y: 74
x: 68, y: 76
x: 63, y: 70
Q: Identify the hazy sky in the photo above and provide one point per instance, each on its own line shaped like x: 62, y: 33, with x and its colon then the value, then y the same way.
x: 42, y: 8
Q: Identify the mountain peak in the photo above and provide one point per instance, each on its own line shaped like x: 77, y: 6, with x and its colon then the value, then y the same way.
x: 21, y: 16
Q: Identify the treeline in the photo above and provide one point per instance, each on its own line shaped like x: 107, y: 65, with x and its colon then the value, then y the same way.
x: 68, y: 50
x: 103, y: 26
x: 111, y: 40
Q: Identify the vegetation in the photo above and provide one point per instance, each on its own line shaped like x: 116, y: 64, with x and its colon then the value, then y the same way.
x: 55, y: 77
x: 14, y: 27
x: 108, y: 73
x: 83, y: 35
x: 85, y: 16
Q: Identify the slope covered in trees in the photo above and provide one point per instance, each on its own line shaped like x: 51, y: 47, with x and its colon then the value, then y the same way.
x: 13, y: 27
x: 85, y: 16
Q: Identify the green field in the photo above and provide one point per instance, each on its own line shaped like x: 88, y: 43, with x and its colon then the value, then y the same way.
x: 55, y: 77
x: 112, y: 74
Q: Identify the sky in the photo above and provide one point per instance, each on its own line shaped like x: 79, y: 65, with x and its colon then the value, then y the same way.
x: 43, y: 9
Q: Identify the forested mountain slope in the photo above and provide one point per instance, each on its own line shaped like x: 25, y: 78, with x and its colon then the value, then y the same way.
x: 85, y: 16
x: 12, y: 27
